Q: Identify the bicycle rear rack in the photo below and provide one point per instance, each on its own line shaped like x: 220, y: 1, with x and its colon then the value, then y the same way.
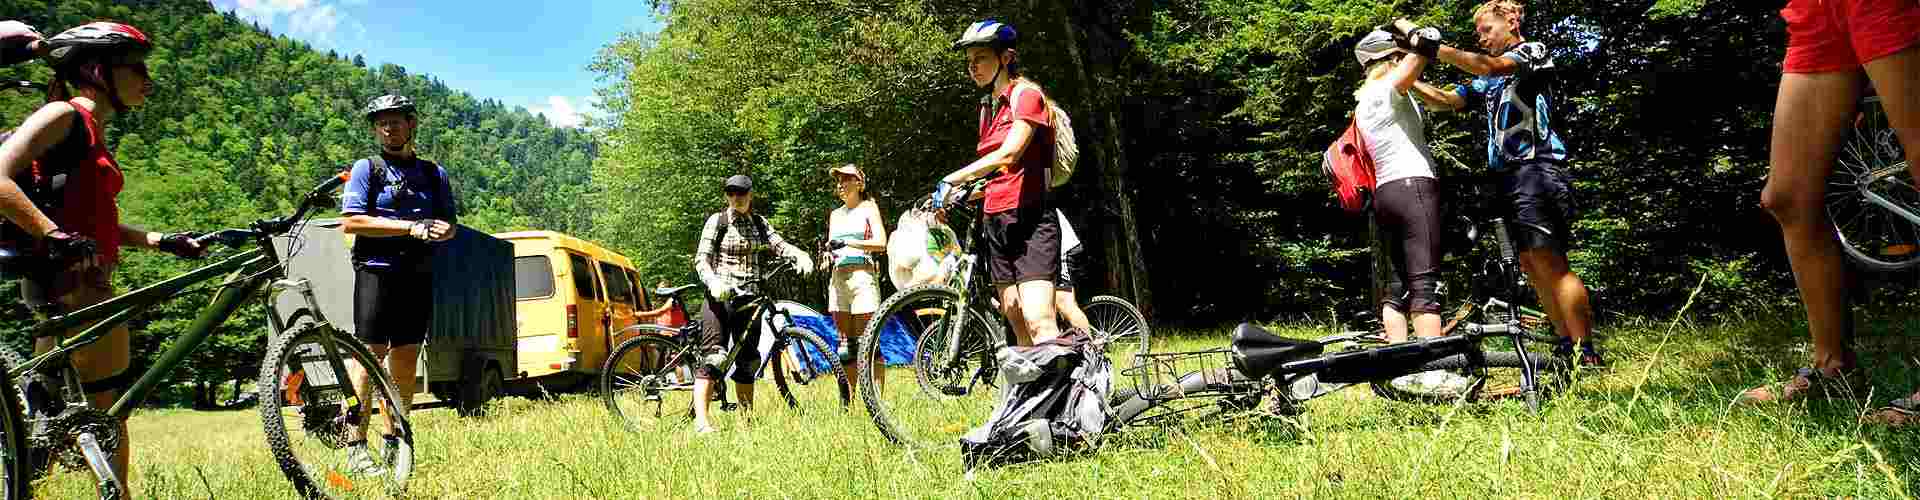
x: 1155, y: 371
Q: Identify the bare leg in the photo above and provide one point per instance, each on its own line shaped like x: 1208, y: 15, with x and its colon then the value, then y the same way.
x: 858, y: 323
x: 1395, y: 323
x: 1810, y: 115
x: 1036, y: 305
x: 1426, y: 325
x: 363, y: 389
x: 1897, y: 78
x: 702, y: 403
x: 403, y: 363
x: 1010, y: 307
x: 1069, y: 307
x: 1561, y: 292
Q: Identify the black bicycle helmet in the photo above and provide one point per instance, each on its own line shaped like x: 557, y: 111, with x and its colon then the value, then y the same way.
x: 988, y: 33
x: 389, y: 102
x: 98, y: 41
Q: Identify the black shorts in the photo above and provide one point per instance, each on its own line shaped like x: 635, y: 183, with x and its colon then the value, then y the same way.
x: 1541, y: 202
x: 1407, y: 212
x: 1024, y: 245
x: 722, y: 324
x: 392, y: 307
x: 1069, y: 263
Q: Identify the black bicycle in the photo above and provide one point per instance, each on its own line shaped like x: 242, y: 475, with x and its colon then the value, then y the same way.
x: 1258, y: 365
x: 648, y: 379
x: 1872, y: 197
x: 956, y: 327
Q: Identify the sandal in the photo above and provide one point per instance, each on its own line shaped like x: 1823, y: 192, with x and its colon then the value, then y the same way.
x: 1903, y: 412
x: 1807, y: 382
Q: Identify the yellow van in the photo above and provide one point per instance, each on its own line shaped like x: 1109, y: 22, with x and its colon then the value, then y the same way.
x: 568, y: 293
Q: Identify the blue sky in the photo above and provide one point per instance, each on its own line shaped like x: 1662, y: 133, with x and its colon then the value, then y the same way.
x: 522, y: 53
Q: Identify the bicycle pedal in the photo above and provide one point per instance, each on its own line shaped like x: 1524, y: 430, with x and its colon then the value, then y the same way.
x: 953, y: 390
x: 729, y: 406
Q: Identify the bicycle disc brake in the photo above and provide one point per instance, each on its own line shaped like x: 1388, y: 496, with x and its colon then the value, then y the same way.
x: 323, y: 422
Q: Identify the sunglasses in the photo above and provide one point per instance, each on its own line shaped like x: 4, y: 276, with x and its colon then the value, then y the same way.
x: 139, y: 68
x: 737, y: 192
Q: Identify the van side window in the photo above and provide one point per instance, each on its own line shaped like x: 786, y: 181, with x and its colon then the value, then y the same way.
x: 583, y: 278
x: 618, y: 289
x: 640, y: 293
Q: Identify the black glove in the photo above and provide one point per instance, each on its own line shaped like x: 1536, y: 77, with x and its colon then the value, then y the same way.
x: 1425, y: 41
x: 181, y: 245
x: 65, y: 249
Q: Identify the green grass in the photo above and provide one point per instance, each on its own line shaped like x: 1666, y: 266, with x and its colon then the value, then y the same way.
x: 1657, y: 425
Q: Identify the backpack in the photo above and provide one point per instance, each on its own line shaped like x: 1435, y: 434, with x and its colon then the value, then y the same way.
x: 1055, y: 401
x: 1349, y: 164
x: 377, y: 178
x: 727, y: 227
x: 1066, y: 150
x: 45, y: 184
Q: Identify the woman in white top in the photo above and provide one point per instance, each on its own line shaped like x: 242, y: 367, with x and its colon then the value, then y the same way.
x: 854, y: 233
x: 1406, y: 195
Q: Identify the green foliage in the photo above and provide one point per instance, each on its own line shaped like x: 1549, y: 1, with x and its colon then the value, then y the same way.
x: 242, y: 122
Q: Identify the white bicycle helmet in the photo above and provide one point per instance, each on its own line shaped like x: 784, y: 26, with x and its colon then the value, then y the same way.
x: 987, y: 33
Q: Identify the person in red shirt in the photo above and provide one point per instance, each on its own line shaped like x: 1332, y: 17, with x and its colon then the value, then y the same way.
x: 99, y: 70
x: 1016, y: 142
x: 1834, y: 47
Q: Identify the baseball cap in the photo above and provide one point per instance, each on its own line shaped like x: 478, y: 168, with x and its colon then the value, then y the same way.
x: 740, y: 183
x: 848, y: 169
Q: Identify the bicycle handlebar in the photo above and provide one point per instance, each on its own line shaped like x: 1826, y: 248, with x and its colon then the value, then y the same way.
x: 275, y: 226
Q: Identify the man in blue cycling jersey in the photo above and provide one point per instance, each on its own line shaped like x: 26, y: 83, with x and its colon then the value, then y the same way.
x: 1515, y: 88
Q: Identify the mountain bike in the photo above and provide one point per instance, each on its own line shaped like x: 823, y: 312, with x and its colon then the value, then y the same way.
x: 1871, y: 196
x: 956, y: 326
x: 1258, y: 365
x: 649, y: 378
x: 47, y: 420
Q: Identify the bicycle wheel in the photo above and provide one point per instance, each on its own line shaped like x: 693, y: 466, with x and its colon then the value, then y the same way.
x: 952, y: 388
x: 306, y: 372
x: 1495, y: 374
x: 1872, y: 199
x: 16, y: 469
x: 649, y: 379
x: 1198, y: 395
x: 1126, y: 331
x: 811, y: 350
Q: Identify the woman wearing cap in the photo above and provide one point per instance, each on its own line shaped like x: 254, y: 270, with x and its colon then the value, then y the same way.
x: 733, y: 246
x: 99, y: 71
x: 1406, y: 196
x: 1016, y: 141
x: 396, y: 205
x: 854, y: 233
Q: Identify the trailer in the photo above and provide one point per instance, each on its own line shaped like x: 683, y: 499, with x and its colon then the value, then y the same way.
x: 470, y: 346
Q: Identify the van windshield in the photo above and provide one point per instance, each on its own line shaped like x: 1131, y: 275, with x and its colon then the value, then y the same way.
x: 532, y: 277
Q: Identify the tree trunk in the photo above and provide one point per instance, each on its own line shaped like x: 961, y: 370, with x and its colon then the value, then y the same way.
x: 1126, y: 271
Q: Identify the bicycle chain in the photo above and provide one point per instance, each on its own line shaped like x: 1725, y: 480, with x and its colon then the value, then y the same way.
x: 62, y: 435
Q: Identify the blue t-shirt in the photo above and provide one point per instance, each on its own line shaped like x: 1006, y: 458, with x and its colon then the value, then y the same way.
x: 408, y: 192
x: 1519, y: 110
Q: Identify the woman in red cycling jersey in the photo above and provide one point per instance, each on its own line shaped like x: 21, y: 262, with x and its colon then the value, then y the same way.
x: 99, y: 70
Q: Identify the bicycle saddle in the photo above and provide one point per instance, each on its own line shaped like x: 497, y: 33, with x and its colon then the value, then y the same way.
x: 675, y: 291
x: 1258, y: 353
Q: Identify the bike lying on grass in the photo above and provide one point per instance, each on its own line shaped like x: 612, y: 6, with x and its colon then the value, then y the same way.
x: 1259, y: 365
x: 46, y: 419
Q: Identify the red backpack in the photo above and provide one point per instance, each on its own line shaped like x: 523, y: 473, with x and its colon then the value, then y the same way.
x: 1349, y: 165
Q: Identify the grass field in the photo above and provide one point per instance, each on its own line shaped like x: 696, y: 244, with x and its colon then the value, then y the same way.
x: 1656, y: 425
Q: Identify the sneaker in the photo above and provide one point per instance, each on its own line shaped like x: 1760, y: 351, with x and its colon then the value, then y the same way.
x: 1901, y: 413
x: 360, y: 461
x: 391, y: 453
x: 1808, y: 382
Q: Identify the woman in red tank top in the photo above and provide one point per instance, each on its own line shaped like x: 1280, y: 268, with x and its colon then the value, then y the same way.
x: 99, y: 70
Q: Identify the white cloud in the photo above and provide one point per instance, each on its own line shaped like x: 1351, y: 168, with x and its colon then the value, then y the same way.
x: 316, y: 21
x: 560, y: 111
x: 266, y: 11
x: 316, y: 24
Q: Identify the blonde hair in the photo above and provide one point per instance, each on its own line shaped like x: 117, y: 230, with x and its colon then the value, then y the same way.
x: 1504, y: 8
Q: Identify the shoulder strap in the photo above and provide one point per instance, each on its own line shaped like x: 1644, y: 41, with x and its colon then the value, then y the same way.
x: 1014, y: 100
x: 86, y: 120
x: 725, y: 219
x: 376, y: 181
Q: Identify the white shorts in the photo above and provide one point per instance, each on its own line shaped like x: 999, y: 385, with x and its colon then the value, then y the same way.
x: 854, y: 290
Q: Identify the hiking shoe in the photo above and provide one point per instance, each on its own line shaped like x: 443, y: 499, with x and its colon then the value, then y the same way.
x: 391, y: 452
x: 1445, y: 383
x: 360, y: 461
x: 1807, y: 382
x: 1901, y: 413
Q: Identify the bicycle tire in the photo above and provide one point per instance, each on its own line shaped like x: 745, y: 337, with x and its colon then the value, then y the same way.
x: 1194, y: 392
x: 1550, y: 372
x: 15, y: 465
x: 649, y: 369
x: 810, y: 345
x: 1870, y: 173
x: 911, y: 416
x: 1125, y: 328
x: 300, y: 460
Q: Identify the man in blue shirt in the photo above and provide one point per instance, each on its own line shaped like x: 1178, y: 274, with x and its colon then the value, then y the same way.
x: 396, y: 205
x: 1515, y: 89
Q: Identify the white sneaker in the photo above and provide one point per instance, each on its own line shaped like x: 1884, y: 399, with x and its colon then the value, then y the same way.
x: 1445, y: 383
x: 1413, y: 383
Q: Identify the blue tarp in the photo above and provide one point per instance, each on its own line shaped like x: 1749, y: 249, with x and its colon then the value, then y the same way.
x: 896, y: 346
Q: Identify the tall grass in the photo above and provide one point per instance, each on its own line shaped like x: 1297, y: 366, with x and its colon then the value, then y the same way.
x: 1658, y: 424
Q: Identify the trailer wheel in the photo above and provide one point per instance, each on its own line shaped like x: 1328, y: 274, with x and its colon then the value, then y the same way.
x: 481, y: 384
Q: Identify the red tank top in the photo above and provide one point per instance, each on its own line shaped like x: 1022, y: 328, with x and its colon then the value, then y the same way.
x: 93, y: 186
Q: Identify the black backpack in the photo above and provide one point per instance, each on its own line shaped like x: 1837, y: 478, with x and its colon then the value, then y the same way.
x: 377, y: 181
x: 1056, y: 402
